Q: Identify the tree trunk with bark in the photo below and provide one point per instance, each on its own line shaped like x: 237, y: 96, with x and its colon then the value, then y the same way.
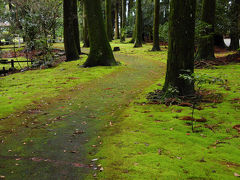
x: 69, y: 30
x: 234, y: 31
x: 219, y: 41
x: 156, y: 46
x: 130, y: 6
x: 138, y: 33
x: 100, y: 51
x: 206, y: 41
x: 181, y: 46
x: 117, y: 36
x: 108, y: 19
x: 123, y: 27
x: 85, y: 29
x: 76, y: 25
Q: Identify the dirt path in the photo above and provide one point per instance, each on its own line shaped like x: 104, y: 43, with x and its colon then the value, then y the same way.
x: 54, y: 143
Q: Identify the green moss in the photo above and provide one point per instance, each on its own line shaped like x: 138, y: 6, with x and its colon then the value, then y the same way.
x: 144, y: 141
x: 21, y: 89
x: 151, y: 142
x: 16, y: 65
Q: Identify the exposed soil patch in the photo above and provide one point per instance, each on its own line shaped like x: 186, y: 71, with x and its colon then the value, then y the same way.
x: 203, y: 96
x: 30, y: 54
x: 233, y: 58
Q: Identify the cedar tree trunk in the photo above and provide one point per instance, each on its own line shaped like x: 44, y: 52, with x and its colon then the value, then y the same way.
x: 69, y: 30
x: 108, y: 19
x: 117, y: 36
x: 123, y: 27
x: 138, y: 33
x: 206, y: 41
x: 85, y: 29
x: 181, y: 46
x: 76, y: 25
x: 100, y: 51
x: 234, y: 31
x: 156, y: 46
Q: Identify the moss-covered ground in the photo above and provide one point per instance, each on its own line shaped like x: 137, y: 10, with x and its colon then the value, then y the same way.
x: 81, y: 115
x: 21, y: 89
x: 152, y: 142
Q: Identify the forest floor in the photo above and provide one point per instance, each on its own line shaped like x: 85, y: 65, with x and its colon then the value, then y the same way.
x: 73, y: 123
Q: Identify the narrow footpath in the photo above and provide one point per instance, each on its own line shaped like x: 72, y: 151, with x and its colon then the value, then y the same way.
x: 55, y: 141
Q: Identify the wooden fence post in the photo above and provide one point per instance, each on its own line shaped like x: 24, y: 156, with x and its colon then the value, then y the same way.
x: 12, y: 63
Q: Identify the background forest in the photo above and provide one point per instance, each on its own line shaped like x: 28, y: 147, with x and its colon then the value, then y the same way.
x: 119, y: 89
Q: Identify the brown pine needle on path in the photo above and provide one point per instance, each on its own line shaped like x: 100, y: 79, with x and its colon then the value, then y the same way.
x: 55, y: 143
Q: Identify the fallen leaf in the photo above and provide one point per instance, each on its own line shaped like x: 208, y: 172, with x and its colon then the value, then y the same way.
x: 236, y: 175
x: 186, y: 104
x: 237, y: 127
x: 94, y: 159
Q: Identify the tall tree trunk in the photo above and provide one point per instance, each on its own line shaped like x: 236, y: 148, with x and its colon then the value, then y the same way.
x: 108, y: 19
x: 130, y: 6
x: 69, y: 31
x: 85, y: 29
x: 156, y: 46
x: 181, y: 46
x: 54, y: 33
x: 138, y: 35
x: 117, y: 36
x: 206, y: 41
x: 120, y: 12
x: 133, y: 35
x: 123, y: 28
x: 100, y: 51
x: 76, y: 25
x: 234, y: 31
x: 219, y: 41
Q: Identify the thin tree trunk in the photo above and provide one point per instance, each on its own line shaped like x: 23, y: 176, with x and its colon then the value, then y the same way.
x: 156, y: 46
x: 54, y: 34
x: 123, y: 28
x: 219, y: 41
x: 85, y: 29
x: 206, y: 41
x: 69, y: 31
x: 76, y: 25
x: 100, y: 51
x: 138, y: 35
x: 234, y: 31
x: 181, y: 46
x: 117, y: 36
x: 108, y: 19
x: 130, y: 6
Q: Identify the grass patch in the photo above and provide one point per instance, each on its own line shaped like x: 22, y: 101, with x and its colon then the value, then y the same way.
x: 21, y: 89
x: 16, y: 65
x: 152, y: 142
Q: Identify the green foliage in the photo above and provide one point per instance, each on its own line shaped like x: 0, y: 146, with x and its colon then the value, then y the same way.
x: 203, y: 30
x: 34, y: 19
x: 200, y: 79
x: 163, y: 32
x: 167, y: 97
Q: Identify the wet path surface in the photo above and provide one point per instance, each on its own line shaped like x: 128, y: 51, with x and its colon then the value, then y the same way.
x: 54, y: 142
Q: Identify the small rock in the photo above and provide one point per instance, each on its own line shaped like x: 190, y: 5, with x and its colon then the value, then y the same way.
x: 116, y: 49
